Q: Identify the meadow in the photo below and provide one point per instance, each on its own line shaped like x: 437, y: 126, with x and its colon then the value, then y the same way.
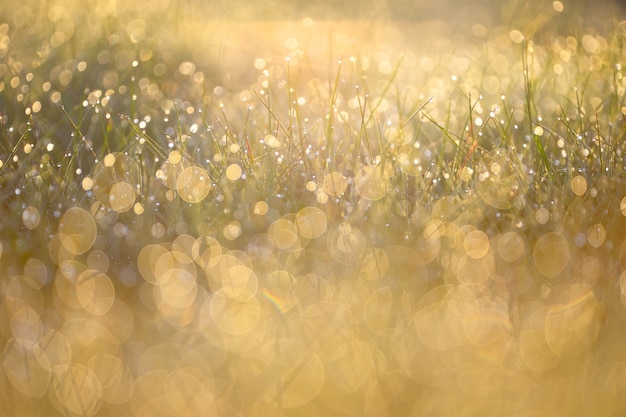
x: 234, y: 210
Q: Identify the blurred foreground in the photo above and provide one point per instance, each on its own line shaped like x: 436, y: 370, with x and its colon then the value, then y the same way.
x: 210, y: 210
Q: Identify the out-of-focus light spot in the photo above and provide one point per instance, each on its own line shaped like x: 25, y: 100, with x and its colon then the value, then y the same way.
x: 335, y: 183
x: 272, y: 141
x: 291, y: 43
x: 542, y: 215
x: 579, y: 185
x: 87, y: 183
x: 187, y: 68
x: 259, y: 63
x: 193, y: 184
x: 232, y: 230
x: 31, y: 217
x: 516, y: 36
x: 174, y: 157
x: 551, y: 254
x: 77, y: 230
x: 122, y: 196
x: 596, y: 235
x: 234, y: 172
x: 590, y: 44
x: 311, y: 222
x: 261, y: 208
x: 109, y: 160
x: 479, y: 30
x: 476, y: 244
x: 385, y: 67
x: 557, y: 6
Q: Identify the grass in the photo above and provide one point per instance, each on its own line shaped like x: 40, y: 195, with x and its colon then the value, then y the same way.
x: 421, y: 227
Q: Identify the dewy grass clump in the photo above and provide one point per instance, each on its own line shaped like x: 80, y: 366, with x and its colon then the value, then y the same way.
x: 311, y: 218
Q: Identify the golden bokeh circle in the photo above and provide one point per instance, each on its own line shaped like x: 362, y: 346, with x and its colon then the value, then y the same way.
x: 371, y: 183
x: 26, y: 367
x: 75, y: 389
x: 95, y: 292
x: 499, y: 181
x: 551, y: 254
x: 115, y: 179
x: 77, y: 230
x: 193, y: 184
x: 122, y: 196
x: 335, y: 183
x: 311, y: 222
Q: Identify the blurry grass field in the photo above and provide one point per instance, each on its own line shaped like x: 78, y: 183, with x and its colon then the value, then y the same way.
x: 211, y: 210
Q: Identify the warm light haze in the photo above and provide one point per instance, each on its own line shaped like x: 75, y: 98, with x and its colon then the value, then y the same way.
x: 314, y: 209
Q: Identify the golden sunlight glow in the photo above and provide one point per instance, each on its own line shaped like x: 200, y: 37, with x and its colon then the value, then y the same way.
x: 313, y: 208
